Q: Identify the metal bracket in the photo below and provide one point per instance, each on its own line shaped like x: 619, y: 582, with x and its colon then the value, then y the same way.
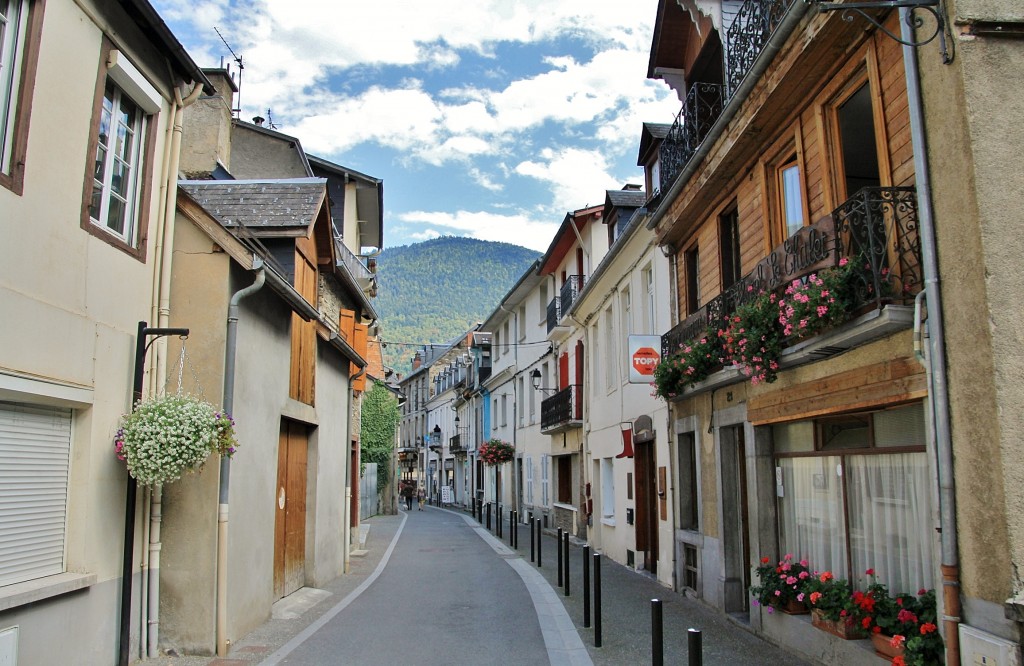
x: 933, y: 7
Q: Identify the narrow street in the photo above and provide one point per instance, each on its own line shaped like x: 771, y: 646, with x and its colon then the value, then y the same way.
x: 436, y: 587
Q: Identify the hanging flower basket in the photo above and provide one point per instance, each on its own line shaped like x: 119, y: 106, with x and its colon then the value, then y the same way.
x: 496, y: 452
x: 167, y: 436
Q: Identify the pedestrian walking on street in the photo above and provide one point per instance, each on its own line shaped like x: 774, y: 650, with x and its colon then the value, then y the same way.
x: 422, y: 497
x: 407, y: 495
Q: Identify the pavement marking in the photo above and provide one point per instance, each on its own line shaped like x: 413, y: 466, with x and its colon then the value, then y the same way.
x: 303, y: 635
x: 561, y: 639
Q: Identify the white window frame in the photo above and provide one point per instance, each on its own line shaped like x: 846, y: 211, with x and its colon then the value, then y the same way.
x: 545, y: 461
x: 133, y: 159
x: 13, y: 30
x: 528, y: 460
x: 611, y: 368
x: 649, y: 323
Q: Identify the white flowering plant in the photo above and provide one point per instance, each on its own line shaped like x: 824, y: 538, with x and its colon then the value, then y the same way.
x: 170, y: 435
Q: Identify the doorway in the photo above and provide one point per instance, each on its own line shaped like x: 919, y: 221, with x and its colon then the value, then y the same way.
x: 646, y: 464
x: 290, y: 515
x: 735, y: 532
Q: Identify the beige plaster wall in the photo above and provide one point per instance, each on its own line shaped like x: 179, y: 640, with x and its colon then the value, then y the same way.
x: 71, y: 304
x: 974, y: 114
x: 257, y: 155
x: 206, y: 131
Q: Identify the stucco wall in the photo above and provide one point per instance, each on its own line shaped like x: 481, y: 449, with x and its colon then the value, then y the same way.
x: 975, y: 123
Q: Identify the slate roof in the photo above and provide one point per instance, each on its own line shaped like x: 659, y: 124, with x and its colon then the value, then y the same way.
x: 627, y: 198
x: 278, y: 205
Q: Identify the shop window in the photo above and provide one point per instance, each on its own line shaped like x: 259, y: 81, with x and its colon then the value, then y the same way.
x: 564, y: 479
x: 853, y: 494
x: 688, y: 483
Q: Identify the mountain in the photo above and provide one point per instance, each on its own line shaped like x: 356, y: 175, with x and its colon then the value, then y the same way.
x: 432, y: 292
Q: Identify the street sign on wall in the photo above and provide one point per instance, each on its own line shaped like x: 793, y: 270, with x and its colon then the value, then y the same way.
x: 644, y: 356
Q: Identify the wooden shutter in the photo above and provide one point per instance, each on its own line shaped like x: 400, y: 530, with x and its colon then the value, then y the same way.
x: 346, y: 324
x: 35, y: 444
x: 359, y: 344
x: 303, y: 361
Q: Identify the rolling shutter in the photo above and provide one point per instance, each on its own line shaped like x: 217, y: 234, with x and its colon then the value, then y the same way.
x: 35, y: 443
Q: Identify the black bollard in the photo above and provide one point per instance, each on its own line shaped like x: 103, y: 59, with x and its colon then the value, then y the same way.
x: 515, y: 531
x: 693, y: 647
x: 559, y: 541
x: 533, y: 542
x: 657, y: 644
x: 497, y: 524
x: 586, y: 587
x: 565, y: 560
x: 540, y: 541
x: 597, y: 599
x: 488, y: 515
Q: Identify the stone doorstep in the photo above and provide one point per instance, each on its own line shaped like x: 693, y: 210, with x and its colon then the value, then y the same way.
x: 364, y: 531
x: 297, y: 603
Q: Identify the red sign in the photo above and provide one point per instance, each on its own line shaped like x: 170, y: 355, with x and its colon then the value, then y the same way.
x: 645, y: 359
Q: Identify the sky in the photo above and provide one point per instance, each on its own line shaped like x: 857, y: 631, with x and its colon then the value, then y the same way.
x: 485, y: 118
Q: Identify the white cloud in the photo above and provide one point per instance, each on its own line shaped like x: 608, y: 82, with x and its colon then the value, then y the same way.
x: 517, y: 228
x: 424, y: 235
x: 485, y: 181
x: 577, y: 178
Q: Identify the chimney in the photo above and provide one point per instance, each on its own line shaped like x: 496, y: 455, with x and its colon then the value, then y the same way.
x: 417, y: 361
x: 206, y: 128
x: 632, y: 187
x: 258, y: 121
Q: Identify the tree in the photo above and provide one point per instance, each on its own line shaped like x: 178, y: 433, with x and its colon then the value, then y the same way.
x: 379, y: 422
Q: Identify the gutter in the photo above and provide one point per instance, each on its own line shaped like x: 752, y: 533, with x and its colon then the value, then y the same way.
x: 938, y: 390
x: 225, y: 462
x: 779, y: 37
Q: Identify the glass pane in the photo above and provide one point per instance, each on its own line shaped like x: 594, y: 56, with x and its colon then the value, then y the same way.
x: 95, y: 200
x: 793, y: 437
x: 845, y: 432
x: 891, y: 524
x: 792, y: 199
x: 115, y: 215
x: 811, y: 523
x: 119, y: 180
x: 101, y: 163
x: 900, y: 427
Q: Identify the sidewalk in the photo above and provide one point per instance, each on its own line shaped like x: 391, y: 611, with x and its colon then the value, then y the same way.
x: 626, y: 616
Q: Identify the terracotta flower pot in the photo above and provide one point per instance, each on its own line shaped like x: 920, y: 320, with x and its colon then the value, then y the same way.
x: 793, y: 607
x: 883, y: 646
x: 838, y: 628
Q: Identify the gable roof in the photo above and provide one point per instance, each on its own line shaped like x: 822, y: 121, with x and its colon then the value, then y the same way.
x: 624, y: 198
x: 650, y: 137
x: 276, y: 207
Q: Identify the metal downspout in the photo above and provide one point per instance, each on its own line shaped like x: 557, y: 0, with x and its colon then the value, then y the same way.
x: 230, y: 343
x: 939, y: 392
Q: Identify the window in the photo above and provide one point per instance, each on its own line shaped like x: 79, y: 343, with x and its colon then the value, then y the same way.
x: 504, y: 409
x: 544, y: 467
x: 542, y: 312
x: 528, y: 461
x: 626, y: 311
x: 20, y: 26
x: 691, y: 261
x: 520, y: 396
x: 521, y: 318
x: 496, y: 348
x: 607, y: 491
x: 533, y: 403
x: 856, y: 124
x: 655, y: 173
x: 854, y: 494
x: 608, y: 362
x: 729, y: 247
x: 647, y: 280
x: 116, y: 187
x: 494, y: 410
x: 35, y: 447
x: 689, y: 514
x: 690, y: 566
x: 564, y: 479
x: 786, y: 204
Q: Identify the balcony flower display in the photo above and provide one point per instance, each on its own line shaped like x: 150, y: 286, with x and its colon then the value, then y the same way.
x: 167, y: 436
x: 496, y: 452
x: 692, y: 363
x: 817, y: 302
x: 752, y: 338
x: 781, y: 585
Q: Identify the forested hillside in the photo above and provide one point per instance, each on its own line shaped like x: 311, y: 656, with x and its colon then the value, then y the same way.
x: 432, y: 292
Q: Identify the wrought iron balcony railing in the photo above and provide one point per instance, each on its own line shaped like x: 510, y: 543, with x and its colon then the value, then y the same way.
x: 876, y: 230
x: 746, y: 37
x: 563, y: 408
x: 572, y: 287
x: 701, y: 108
x: 455, y: 444
x: 553, y: 314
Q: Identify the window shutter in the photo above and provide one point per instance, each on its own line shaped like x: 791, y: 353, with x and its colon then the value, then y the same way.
x: 529, y: 480
x: 35, y: 444
x: 544, y: 480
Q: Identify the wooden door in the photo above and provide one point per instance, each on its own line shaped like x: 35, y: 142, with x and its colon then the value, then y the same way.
x: 290, y: 516
x: 646, y: 504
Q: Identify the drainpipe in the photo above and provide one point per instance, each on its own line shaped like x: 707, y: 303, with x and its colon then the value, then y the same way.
x: 939, y: 393
x: 150, y: 565
x: 225, y: 462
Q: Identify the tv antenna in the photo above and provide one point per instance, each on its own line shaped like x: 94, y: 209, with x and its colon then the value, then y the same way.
x: 238, y: 59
